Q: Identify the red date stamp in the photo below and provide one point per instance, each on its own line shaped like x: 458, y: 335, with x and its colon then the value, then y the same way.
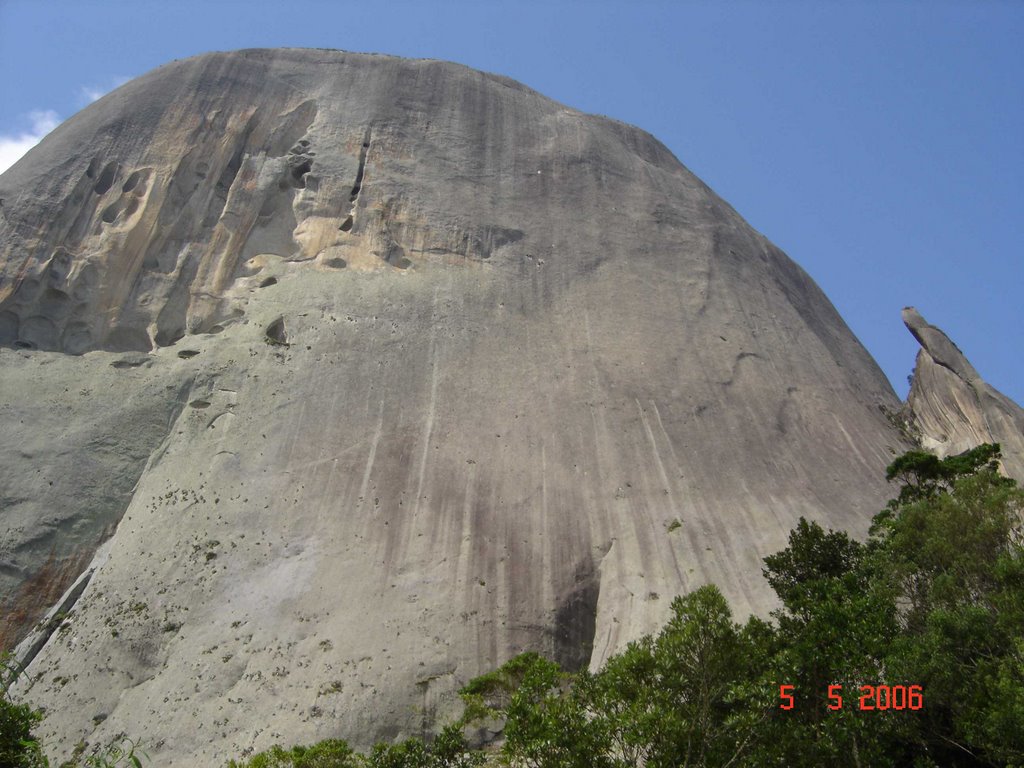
x: 872, y: 697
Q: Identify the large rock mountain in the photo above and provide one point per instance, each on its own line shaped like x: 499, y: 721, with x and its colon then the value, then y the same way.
x: 369, y: 373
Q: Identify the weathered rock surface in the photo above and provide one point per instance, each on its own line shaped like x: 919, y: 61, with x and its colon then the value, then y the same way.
x: 78, y: 432
x: 953, y: 407
x: 436, y: 364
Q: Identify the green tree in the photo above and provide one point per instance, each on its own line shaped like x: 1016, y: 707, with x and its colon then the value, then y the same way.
x: 546, y: 722
x: 407, y: 754
x: 924, y: 475
x: 330, y: 753
x: 835, y: 626
x: 621, y: 698
x: 683, y: 698
x: 952, y: 550
x: 490, y: 694
x: 448, y: 750
x: 698, y: 660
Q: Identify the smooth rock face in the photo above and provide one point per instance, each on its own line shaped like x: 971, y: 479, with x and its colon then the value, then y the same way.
x: 437, y: 363
x: 953, y: 407
x: 78, y: 432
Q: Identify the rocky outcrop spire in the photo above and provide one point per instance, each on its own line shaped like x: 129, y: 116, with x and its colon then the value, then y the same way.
x: 953, y: 407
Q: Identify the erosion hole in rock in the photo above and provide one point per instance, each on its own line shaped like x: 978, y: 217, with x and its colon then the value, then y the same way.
x: 59, y: 268
x: 20, y: 344
x: 106, y: 179
x: 268, y: 282
x: 55, y: 296
x: 131, y: 182
x: 54, y: 303
x: 276, y: 333
x: 85, y: 283
x: 336, y: 263
x: 169, y: 336
x: 395, y: 256
x: 199, y: 404
x: 361, y: 169
x: 187, y: 354
x: 126, y: 338
x: 77, y: 338
x: 110, y: 213
x: 40, y: 332
x: 346, y: 225
x: 227, y: 176
x: 94, y: 165
x: 27, y: 292
x: 299, y: 172
x: 10, y: 324
x: 131, y: 361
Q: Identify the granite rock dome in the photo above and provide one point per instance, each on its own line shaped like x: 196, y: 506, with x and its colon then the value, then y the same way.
x: 369, y: 373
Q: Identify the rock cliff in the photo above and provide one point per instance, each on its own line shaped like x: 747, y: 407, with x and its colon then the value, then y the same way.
x: 953, y: 407
x: 373, y: 373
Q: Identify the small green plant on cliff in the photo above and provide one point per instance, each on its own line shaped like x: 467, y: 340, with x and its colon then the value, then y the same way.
x: 332, y: 753
x: 19, y: 748
x: 117, y: 754
x: 903, y: 422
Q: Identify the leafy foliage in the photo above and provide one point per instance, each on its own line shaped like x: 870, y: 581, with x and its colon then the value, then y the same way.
x: 121, y: 753
x: 924, y: 475
x: 956, y: 559
x: 331, y: 753
x: 18, y: 746
x: 448, y: 750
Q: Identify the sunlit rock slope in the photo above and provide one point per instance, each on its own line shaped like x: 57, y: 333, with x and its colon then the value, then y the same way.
x: 384, y: 371
x: 954, y: 409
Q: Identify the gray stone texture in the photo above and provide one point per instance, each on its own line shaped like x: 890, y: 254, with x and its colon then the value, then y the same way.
x: 394, y: 369
x: 953, y: 407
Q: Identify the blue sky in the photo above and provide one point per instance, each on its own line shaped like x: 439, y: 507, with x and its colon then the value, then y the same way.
x: 881, y: 145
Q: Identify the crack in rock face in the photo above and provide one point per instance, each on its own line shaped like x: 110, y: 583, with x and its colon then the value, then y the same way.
x: 375, y: 373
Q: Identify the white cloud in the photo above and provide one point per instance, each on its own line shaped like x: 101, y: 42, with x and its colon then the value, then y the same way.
x: 13, y: 146
x: 90, y: 94
x: 87, y: 94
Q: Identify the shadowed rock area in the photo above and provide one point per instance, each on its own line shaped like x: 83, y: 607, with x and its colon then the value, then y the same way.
x: 385, y: 371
